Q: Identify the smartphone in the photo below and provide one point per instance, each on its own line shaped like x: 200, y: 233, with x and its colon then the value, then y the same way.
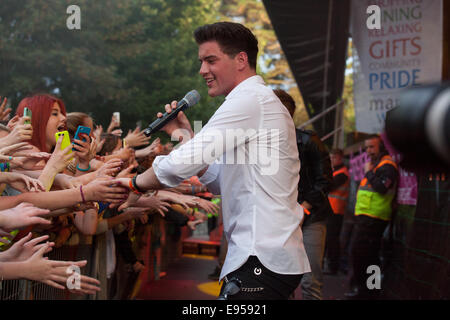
x: 81, y: 129
x: 117, y: 116
x: 66, y: 139
x: 27, y: 113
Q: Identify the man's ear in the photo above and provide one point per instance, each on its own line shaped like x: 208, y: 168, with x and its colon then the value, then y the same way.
x: 242, y: 60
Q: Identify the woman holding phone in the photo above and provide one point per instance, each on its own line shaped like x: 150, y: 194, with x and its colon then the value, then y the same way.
x: 48, y: 118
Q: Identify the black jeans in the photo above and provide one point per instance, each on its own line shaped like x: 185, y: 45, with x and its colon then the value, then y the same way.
x: 334, y: 225
x: 365, y: 249
x: 259, y: 283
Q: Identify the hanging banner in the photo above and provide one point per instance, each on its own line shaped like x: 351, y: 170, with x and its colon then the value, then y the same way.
x: 397, y: 44
x: 407, y: 181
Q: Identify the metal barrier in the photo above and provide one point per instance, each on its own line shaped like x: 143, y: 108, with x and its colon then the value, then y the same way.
x: 41, y: 291
x: 14, y: 290
x: 96, y: 256
x: 32, y: 290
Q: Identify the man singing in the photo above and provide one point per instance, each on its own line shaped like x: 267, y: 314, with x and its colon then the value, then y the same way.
x: 266, y: 257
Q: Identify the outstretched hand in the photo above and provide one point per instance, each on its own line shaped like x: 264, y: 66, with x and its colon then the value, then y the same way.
x: 25, y: 248
x: 56, y: 273
x: 105, y: 190
x: 4, y: 112
x: 109, y: 168
x: 131, y: 200
x: 22, y: 182
x: 23, y: 215
x: 136, y: 138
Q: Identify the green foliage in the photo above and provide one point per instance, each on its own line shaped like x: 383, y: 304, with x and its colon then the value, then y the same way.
x: 131, y: 56
x: 272, y: 63
x: 347, y: 95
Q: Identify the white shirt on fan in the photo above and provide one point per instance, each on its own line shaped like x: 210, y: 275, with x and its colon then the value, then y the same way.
x: 261, y: 215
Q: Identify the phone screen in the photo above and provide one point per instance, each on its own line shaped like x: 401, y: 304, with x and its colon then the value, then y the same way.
x: 27, y: 113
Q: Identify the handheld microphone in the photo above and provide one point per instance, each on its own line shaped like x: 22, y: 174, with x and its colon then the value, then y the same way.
x: 191, y: 98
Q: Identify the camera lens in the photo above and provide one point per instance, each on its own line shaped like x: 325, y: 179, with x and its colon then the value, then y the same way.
x: 420, y: 126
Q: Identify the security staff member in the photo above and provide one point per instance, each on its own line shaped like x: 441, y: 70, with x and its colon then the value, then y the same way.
x: 338, y: 200
x: 373, y: 211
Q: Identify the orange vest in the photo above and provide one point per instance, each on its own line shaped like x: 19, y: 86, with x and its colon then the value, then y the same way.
x: 338, y: 198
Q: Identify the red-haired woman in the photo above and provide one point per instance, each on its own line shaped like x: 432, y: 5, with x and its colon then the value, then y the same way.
x: 48, y: 117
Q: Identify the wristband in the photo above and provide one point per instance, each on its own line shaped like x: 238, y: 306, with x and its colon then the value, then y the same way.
x: 131, y: 185
x: 84, y: 170
x: 135, y: 186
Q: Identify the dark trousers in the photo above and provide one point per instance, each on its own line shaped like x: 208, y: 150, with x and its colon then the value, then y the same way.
x: 365, y: 249
x: 345, y: 241
x: 334, y: 225
x: 259, y: 283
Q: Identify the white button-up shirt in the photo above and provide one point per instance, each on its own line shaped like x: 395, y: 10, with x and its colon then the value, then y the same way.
x: 250, y: 146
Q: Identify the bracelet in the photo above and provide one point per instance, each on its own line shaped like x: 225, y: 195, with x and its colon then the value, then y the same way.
x: 82, y: 195
x: 135, y: 187
x: 71, y: 167
x: 4, y: 167
x: 84, y: 170
x: 131, y: 185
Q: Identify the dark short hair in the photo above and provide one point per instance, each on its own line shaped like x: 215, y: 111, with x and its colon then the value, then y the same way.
x: 232, y: 39
x: 287, y: 100
x: 373, y: 136
x: 380, y: 141
x: 337, y: 151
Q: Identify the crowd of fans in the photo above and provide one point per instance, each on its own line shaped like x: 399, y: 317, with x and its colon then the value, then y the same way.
x: 56, y: 197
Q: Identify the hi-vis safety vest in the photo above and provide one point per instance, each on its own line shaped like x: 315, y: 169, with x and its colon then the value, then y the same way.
x: 374, y: 204
x: 338, y: 198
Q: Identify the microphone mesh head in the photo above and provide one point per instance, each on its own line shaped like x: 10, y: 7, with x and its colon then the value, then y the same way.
x: 192, y: 97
